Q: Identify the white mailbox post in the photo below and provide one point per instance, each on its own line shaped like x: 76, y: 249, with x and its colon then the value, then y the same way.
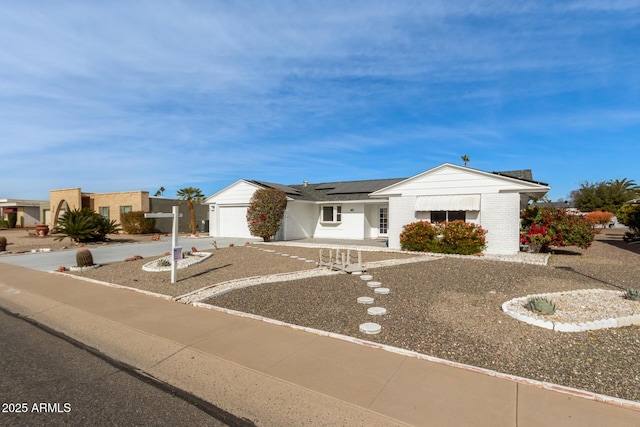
x: 174, y: 237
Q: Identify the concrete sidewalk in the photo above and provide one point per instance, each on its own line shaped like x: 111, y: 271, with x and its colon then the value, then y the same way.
x: 275, y: 375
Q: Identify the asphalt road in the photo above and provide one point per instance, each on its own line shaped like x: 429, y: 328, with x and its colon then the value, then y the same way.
x: 49, y: 261
x: 47, y: 381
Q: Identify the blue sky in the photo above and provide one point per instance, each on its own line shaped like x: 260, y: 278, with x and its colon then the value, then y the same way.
x: 116, y: 96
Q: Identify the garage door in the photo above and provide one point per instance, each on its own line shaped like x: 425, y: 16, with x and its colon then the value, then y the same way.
x: 233, y: 221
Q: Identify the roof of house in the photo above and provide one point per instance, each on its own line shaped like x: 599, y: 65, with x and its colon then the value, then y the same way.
x: 331, y: 191
x: 357, y: 190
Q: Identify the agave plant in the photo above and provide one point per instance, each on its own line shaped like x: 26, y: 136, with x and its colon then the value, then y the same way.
x: 632, y: 294
x: 541, y: 305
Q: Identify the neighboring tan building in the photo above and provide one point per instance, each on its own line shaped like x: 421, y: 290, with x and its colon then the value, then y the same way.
x: 111, y: 205
x: 29, y: 212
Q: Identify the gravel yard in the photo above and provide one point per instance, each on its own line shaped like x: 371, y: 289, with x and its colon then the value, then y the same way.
x: 448, y: 308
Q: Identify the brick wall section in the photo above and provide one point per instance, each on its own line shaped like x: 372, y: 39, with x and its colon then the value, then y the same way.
x: 500, y: 216
x: 401, y: 212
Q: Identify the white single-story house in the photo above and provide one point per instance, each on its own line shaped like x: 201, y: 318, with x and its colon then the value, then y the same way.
x: 375, y: 209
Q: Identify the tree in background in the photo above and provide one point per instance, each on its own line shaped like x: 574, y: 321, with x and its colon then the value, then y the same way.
x: 265, y: 212
x: 606, y: 196
x: 599, y: 218
x: 465, y: 159
x: 191, y: 195
x: 629, y: 215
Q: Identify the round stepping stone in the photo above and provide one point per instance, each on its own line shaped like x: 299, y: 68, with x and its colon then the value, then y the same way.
x: 284, y: 254
x: 377, y: 311
x: 374, y: 284
x: 366, y: 277
x: 309, y: 260
x: 356, y: 273
x: 365, y: 300
x: 370, y: 328
x: 293, y: 256
x: 382, y: 291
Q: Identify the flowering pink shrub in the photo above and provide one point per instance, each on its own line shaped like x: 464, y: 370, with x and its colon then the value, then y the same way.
x: 544, y: 227
x: 456, y: 237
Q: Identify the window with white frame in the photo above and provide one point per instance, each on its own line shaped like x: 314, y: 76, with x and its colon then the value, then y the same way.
x: 331, y: 213
x: 384, y: 220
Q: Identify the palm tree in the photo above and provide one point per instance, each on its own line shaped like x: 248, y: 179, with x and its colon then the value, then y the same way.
x: 191, y: 195
x: 465, y: 159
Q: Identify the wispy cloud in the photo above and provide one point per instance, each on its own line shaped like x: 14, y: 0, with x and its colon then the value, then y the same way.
x: 187, y: 92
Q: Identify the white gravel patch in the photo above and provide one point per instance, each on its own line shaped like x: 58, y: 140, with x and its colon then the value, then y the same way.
x: 224, y: 287
x: 194, y: 258
x: 578, y: 311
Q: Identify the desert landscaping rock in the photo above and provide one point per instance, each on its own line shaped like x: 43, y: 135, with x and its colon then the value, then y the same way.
x: 447, y: 307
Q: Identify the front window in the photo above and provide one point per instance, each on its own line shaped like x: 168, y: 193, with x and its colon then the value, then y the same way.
x: 331, y: 213
x: 104, y: 211
x: 125, y: 209
x: 444, y: 216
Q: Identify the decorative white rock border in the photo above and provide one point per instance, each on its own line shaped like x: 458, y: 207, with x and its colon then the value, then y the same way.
x: 194, y: 258
x: 514, y: 309
x: 75, y: 268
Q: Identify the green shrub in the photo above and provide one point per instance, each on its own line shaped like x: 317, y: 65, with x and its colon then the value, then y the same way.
x: 4, y: 223
x: 420, y: 236
x: 632, y: 294
x: 456, y: 237
x: 555, y: 227
x: 12, y: 219
x: 84, y: 225
x: 459, y: 237
x: 135, y: 223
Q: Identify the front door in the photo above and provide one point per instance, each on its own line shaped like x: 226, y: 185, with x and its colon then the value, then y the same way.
x: 384, y: 221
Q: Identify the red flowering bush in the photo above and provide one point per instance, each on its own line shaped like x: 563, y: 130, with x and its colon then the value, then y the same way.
x: 420, y: 236
x: 544, y: 227
x: 265, y: 212
x: 457, y: 237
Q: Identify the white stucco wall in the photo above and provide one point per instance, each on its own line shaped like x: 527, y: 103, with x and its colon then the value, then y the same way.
x: 351, y: 226
x: 299, y: 220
